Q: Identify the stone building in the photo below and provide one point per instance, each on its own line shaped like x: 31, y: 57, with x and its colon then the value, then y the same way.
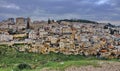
x: 20, y: 20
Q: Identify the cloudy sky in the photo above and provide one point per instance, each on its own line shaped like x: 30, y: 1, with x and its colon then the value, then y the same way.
x: 96, y: 10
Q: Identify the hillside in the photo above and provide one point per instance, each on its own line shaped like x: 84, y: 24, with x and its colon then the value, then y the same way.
x: 78, y: 20
x: 12, y: 60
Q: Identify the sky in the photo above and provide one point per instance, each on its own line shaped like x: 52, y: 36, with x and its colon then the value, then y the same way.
x: 107, y: 11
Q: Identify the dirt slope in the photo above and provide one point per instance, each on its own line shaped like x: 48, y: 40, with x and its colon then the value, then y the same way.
x: 104, y: 66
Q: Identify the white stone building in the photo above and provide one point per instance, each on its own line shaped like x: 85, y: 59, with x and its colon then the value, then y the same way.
x: 32, y: 34
x: 5, y: 37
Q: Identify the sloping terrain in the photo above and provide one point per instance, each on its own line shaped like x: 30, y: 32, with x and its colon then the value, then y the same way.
x: 104, y: 66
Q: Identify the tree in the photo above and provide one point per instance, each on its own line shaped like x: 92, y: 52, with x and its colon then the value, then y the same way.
x: 53, y: 21
x: 49, y: 21
x: 111, y: 31
x: 79, y: 20
x: 11, y: 31
x: 58, y: 22
x: 28, y: 24
x: 105, y: 27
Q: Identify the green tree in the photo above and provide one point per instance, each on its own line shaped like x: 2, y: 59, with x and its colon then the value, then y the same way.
x: 49, y: 21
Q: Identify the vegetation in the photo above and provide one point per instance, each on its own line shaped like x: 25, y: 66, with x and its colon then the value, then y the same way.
x: 49, y: 21
x: 11, y: 60
x: 78, y: 20
x: 10, y: 31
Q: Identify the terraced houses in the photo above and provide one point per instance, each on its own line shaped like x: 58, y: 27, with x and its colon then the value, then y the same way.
x: 65, y: 37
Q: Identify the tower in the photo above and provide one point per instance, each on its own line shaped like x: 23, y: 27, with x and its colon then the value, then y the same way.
x: 20, y: 20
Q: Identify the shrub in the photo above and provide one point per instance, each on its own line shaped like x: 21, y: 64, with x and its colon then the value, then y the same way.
x: 22, y: 66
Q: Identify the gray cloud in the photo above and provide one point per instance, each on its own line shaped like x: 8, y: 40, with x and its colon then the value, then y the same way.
x: 5, y: 4
x: 98, y: 10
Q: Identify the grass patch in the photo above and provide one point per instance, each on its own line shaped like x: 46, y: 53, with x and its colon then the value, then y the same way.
x: 10, y: 59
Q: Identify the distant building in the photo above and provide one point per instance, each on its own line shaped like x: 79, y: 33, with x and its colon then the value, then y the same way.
x: 23, y: 22
x: 5, y: 37
x: 11, y: 20
x: 20, y: 20
x: 32, y: 34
